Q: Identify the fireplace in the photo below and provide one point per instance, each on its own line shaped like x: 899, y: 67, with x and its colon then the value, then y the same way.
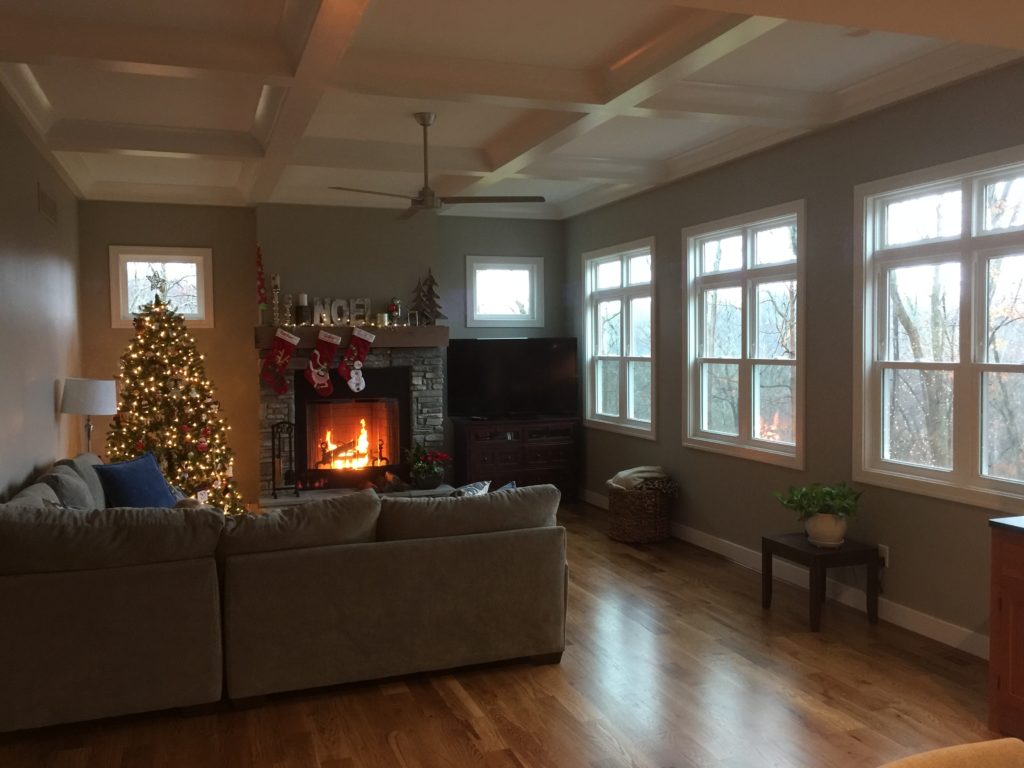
x: 346, y: 439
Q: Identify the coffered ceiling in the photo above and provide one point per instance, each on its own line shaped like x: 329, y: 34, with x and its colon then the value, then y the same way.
x: 240, y: 102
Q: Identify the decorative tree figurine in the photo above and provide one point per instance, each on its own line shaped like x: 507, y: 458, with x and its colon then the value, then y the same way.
x: 418, y: 305
x: 167, y: 407
x: 431, y: 300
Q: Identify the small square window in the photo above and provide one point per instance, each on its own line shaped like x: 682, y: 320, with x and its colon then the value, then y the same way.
x: 183, y: 277
x: 504, y: 292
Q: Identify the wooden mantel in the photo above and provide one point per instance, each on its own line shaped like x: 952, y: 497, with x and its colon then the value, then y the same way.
x: 391, y: 336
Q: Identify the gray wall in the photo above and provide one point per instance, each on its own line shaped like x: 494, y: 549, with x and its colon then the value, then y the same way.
x: 231, y: 357
x: 939, y: 549
x: 354, y: 252
x: 38, y: 311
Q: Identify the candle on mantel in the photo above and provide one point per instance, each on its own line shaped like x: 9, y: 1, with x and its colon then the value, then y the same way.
x: 303, y: 300
x: 275, y: 281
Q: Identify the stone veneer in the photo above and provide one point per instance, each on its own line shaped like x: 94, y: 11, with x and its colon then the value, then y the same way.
x: 426, y: 403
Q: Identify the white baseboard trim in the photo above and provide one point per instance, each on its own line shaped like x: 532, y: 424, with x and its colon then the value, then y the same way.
x: 901, y: 615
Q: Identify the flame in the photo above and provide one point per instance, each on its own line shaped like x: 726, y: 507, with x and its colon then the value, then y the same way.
x: 356, y: 458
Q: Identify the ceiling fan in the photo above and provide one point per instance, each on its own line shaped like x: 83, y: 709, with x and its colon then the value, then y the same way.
x: 427, y: 199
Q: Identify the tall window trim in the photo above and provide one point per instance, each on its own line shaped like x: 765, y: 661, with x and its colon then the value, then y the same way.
x: 592, y: 297
x: 972, y: 249
x: 532, y: 319
x: 120, y: 255
x: 745, y: 445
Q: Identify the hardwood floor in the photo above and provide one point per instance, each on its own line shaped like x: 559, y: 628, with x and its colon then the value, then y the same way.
x: 670, y: 662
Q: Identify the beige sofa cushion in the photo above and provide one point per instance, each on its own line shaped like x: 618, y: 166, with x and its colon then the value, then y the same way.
x: 50, y: 540
x: 532, y: 507
x: 349, y: 519
x: 70, y: 488
x: 37, y: 496
x: 84, y: 464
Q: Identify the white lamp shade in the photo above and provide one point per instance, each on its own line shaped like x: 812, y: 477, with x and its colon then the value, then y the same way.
x: 91, y: 397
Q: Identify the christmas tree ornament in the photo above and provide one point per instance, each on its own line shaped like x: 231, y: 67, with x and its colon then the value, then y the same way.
x: 351, y: 365
x: 158, y: 372
x: 394, y: 309
x: 318, y: 370
x: 275, y: 362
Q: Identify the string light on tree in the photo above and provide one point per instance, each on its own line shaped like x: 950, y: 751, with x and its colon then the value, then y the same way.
x: 167, y: 407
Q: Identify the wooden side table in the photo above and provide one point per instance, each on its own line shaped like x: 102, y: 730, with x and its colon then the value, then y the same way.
x: 796, y: 548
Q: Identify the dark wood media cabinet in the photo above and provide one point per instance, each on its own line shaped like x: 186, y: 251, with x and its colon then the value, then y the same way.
x: 529, y: 451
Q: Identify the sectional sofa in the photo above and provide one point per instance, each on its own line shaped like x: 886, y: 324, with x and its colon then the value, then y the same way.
x: 116, y: 611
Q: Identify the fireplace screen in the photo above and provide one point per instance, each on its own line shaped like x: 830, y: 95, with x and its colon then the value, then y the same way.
x: 353, y: 434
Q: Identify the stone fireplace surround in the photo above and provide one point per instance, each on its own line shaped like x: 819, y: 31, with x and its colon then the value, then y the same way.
x: 427, y: 383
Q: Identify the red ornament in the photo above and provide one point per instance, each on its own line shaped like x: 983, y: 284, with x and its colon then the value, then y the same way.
x: 202, y: 446
x: 139, y: 445
x: 185, y: 428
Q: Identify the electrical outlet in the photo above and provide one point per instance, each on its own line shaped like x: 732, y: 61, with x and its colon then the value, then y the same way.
x: 883, y: 550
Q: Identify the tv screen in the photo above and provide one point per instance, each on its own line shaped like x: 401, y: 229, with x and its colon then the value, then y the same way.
x: 512, y: 378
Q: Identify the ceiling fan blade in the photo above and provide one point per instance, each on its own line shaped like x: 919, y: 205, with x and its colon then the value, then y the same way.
x: 500, y: 199
x: 373, y: 192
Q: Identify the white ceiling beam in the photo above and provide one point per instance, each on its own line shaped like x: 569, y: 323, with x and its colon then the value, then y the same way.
x: 449, y: 78
x: 329, y: 37
x: 190, y: 194
x: 997, y: 23
x: 140, y: 50
x: 120, y: 138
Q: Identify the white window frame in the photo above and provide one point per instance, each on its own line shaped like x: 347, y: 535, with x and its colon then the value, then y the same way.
x: 120, y: 255
x: 534, y: 265
x: 972, y: 248
x: 591, y: 297
x: 745, y: 445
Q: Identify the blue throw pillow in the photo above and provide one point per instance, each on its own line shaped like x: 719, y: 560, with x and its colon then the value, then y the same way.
x: 135, y: 483
x: 509, y: 486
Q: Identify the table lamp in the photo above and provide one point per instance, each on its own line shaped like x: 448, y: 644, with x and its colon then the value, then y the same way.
x: 89, y: 397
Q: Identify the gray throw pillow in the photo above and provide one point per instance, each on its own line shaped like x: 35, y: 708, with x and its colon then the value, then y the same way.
x: 348, y: 519
x: 84, y: 465
x: 70, y: 488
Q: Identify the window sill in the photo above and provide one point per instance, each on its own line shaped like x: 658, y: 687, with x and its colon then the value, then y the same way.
x: 790, y: 460
x: 644, y: 433
x: 975, y: 496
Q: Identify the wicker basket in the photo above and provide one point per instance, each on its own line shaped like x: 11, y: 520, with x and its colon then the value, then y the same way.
x: 638, y: 517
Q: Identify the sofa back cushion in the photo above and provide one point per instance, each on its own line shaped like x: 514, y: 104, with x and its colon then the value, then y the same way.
x: 70, y: 488
x: 52, y: 540
x: 37, y: 496
x: 85, y: 465
x: 348, y: 519
x: 428, y: 518
x: 135, y: 483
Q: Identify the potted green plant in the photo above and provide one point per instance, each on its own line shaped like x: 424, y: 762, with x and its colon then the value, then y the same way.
x: 426, y: 468
x: 824, y: 510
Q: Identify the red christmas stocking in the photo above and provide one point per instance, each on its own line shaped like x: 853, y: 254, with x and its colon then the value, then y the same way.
x: 275, y: 362
x: 351, y: 365
x: 317, y: 373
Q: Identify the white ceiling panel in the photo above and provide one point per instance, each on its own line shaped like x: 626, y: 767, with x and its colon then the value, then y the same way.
x: 636, y: 138
x: 116, y: 97
x: 815, y: 57
x: 134, y: 169
x: 346, y: 115
x: 574, y: 34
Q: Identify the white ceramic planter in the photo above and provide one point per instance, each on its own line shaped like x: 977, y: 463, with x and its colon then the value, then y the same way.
x: 825, y: 530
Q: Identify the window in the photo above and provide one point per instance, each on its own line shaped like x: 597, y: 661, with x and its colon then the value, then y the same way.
x: 941, y: 314
x: 504, y: 292
x: 619, y: 323
x: 182, y: 276
x: 745, y: 319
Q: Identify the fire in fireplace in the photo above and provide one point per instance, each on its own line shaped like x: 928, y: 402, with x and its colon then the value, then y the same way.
x: 345, y: 439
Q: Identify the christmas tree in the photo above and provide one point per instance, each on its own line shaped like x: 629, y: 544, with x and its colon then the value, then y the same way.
x: 167, y: 408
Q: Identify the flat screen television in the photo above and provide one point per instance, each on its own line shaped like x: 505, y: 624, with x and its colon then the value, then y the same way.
x: 512, y: 378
